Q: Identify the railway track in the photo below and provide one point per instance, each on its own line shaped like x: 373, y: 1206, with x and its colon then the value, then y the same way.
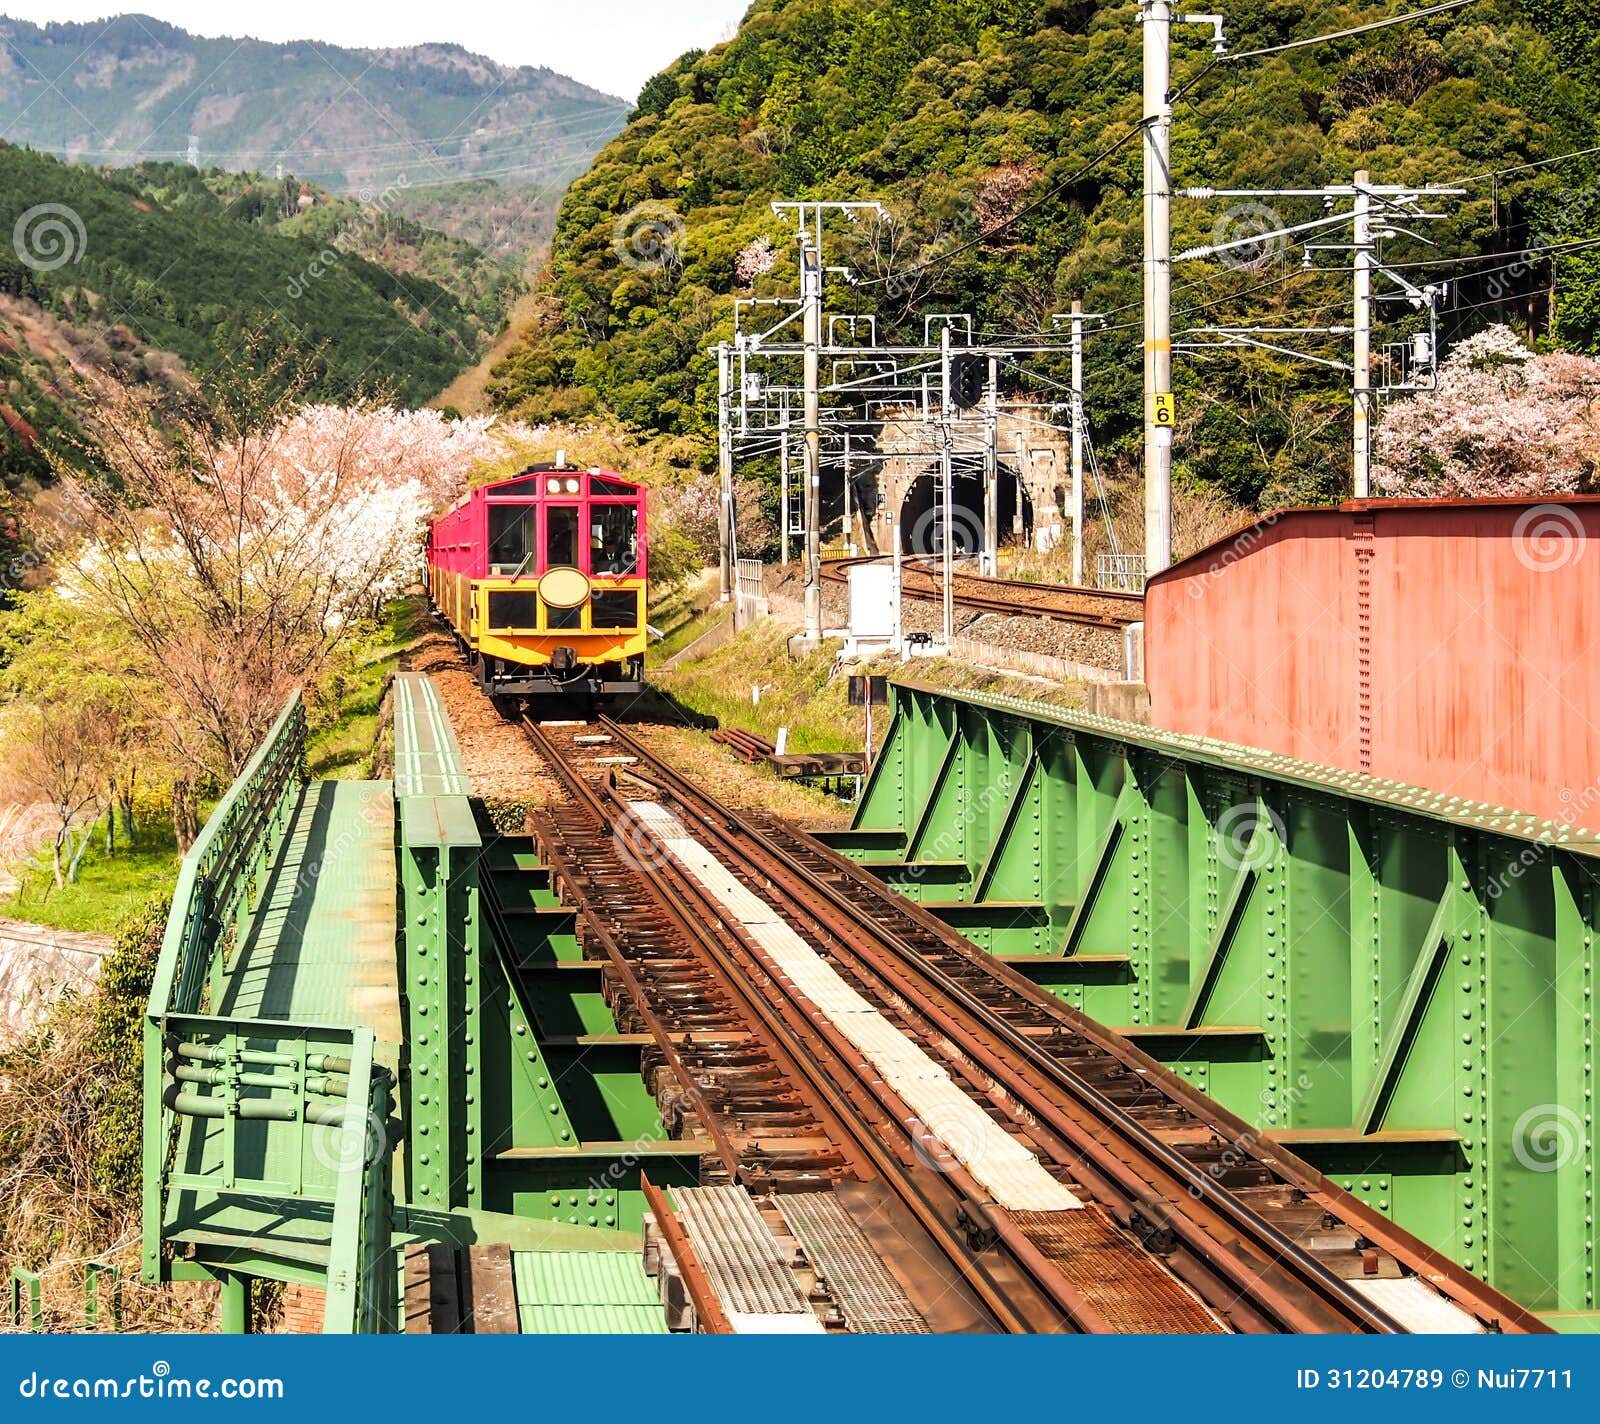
x: 1073, y: 1184
x: 1091, y: 607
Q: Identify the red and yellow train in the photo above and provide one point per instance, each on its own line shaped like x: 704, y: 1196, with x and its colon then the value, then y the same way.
x: 543, y: 579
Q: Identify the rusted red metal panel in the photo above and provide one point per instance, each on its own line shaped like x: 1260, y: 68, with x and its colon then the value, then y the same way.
x: 1453, y: 645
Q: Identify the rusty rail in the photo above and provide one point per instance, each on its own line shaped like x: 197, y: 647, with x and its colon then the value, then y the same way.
x: 708, y: 1311
x: 1107, y: 609
x: 1229, y: 1244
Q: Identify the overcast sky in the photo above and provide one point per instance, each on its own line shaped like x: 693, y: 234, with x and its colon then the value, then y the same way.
x: 615, y: 45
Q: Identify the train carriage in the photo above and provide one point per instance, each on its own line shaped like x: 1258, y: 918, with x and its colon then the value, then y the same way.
x: 543, y: 578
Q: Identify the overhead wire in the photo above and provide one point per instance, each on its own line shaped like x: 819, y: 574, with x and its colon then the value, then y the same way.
x: 1440, y: 9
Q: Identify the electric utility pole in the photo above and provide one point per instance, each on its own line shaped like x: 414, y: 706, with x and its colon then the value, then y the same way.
x: 811, y: 328
x: 947, y: 481
x: 989, y: 563
x: 724, y: 471
x: 1159, y: 412
x: 1362, y: 359
x: 783, y: 481
x: 808, y: 220
x: 1077, y: 443
x: 1396, y: 202
x: 1156, y: 18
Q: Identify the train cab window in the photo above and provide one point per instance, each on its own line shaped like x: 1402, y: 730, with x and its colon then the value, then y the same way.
x: 613, y: 539
x: 510, y: 537
x: 561, y: 536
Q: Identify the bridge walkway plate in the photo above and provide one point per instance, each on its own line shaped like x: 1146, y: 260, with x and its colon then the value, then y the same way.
x: 321, y: 946
x: 319, y: 950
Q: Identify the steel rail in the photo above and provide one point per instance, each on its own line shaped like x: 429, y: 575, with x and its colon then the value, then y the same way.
x: 1495, y: 1310
x: 692, y: 932
x: 1009, y: 597
x: 1183, y: 1178
x: 721, y: 1144
x: 934, y: 1213
x: 707, y: 1308
x: 974, y: 1200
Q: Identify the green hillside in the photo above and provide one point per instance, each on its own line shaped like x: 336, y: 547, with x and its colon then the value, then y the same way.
x: 982, y: 124
x: 184, y: 276
x: 377, y: 229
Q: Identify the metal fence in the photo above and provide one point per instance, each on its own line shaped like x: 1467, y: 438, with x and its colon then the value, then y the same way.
x: 244, y: 1075
x: 1123, y: 573
x: 749, y: 591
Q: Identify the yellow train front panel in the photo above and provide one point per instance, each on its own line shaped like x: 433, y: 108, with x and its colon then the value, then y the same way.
x: 508, y: 619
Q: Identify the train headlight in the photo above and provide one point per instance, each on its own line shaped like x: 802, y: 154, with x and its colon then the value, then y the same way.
x: 572, y: 487
x: 552, y: 486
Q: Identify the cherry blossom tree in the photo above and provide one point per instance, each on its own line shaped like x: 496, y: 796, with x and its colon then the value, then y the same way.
x: 55, y: 751
x: 239, y: 543
x: 1503, y: 421
x: 378, y: 444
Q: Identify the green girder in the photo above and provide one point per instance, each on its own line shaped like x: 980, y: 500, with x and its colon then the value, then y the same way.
x: 266, y: 1146
x: 1397, y: 983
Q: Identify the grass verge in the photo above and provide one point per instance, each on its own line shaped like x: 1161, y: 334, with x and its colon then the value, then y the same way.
x: 682, y: 617
x: 344, y: 726
x: 752, y: 682
x: 108, y: 888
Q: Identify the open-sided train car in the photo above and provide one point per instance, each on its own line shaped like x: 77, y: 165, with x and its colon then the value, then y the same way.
x: 543, y: 578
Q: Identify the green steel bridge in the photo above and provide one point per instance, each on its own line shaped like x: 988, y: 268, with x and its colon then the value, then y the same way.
x: 373, y: 1045
x: 370, y: 1042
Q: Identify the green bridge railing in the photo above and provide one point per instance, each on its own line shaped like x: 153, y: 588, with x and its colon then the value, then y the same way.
x: 1397, y: 984
x: 216, y: 1086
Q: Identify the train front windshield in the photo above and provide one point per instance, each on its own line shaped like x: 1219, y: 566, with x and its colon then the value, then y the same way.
x: 561, y: 536
x: 510, y: 536
x: 613, y: 540
x: 600, y: 537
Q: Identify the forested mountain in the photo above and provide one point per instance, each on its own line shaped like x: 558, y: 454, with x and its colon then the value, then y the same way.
x: 378, y: 230
x: 144, y: 274
x: 132, y: 88
x: 991, y: 129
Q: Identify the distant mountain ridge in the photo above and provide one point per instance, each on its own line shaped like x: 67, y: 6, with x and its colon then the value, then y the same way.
x: 133, y: 88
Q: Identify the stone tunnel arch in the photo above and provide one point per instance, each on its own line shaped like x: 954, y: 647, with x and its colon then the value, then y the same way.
x: 922, y: 509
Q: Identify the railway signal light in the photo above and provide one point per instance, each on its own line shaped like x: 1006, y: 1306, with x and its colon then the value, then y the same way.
x: 968, y: 374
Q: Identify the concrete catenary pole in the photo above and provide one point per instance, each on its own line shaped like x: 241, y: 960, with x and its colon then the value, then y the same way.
x: 947, y: 482
x: 783, y: 482
x: 1156, y: 18
x: 1017, y: 526
x: 1362, y: 362
x: 811, y: 305
x: 899, y: 576
x: 990, y: 563
x: 849, y: 514
x: 1077, y: 443
x: 724, y: 471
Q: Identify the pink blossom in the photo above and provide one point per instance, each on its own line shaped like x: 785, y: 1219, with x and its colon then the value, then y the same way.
x: 1502, y: 421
